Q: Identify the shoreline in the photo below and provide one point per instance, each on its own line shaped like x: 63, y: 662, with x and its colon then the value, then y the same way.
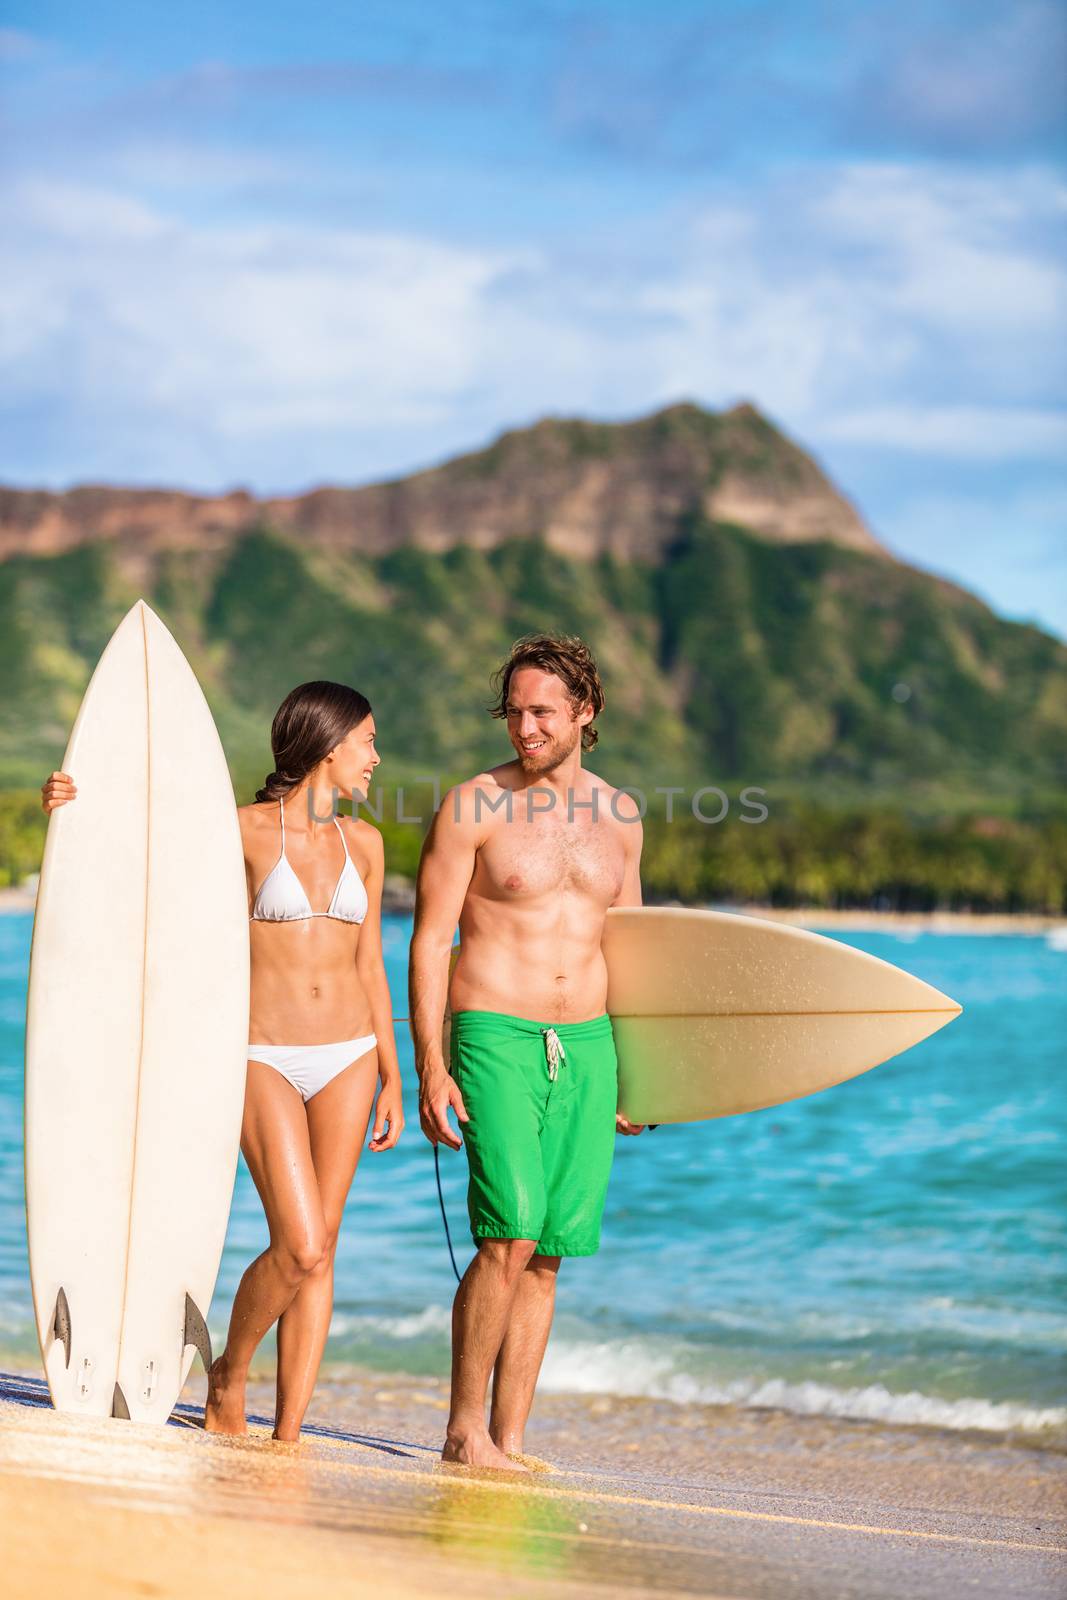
x: 624, y: 1499
x: 17, y: 900
x: 400, y: 900
x: 858, y: 918
x: 346, y: 1388
x: 603, y: 1425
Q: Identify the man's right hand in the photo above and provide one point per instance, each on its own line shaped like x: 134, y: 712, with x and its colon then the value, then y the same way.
x: 438, y: 1091
x: 56, y: 791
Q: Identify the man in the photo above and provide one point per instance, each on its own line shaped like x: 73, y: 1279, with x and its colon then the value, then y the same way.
x: 527, y: 858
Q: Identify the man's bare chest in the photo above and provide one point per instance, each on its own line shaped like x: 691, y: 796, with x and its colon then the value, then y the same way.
x: 528, y: 858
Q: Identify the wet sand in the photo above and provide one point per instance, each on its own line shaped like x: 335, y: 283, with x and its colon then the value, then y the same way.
x: 638, y: 1498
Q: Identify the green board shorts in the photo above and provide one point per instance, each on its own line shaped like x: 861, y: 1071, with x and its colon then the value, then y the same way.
x: 541, y: 1099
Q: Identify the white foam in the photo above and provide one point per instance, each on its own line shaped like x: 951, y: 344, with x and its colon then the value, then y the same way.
x: 431, y: 1319
x: 630, y: 1368
x: 656, y: 1369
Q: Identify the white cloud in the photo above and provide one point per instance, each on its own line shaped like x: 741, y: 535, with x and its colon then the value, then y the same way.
x: 161, y: 163
x: 258, y: 328
x: 910, y: 310
x: 952, y: 247
x: 984, y: 433
x: 873, y: 287
x: 56, y: 214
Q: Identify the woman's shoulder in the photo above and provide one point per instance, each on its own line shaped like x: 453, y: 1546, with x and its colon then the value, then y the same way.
x: 359, y: 831
x: 256, y: 816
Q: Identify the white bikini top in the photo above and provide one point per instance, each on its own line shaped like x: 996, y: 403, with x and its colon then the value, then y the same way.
x: 281, y: 896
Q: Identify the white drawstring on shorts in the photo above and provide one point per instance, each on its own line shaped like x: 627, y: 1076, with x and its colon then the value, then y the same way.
x: 554, y: 1051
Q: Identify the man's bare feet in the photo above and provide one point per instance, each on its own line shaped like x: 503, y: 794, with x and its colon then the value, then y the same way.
x: 478, y: 1450
x: 512, y: 1445
x: 224, y: 1411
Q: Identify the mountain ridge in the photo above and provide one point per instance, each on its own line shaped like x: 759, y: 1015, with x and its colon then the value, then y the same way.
x: 585, y: 487
x: 757, y: 654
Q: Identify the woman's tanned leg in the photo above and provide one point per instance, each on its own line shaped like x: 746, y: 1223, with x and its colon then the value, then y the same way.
x: 276, y: 1144
x: 337, y: 1119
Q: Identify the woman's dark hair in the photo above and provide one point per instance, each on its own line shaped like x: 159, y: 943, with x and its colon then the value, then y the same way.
x: 311, y: 720
x: 572, y: 662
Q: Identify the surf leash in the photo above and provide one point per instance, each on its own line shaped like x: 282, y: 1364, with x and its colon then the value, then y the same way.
x: 440, y: 1195
x: 444, y: 1214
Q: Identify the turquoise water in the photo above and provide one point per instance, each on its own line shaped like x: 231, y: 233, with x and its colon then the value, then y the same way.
x: 891, y: 1249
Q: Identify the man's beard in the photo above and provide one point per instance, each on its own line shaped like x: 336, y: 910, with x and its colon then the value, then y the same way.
x: 552, y: 754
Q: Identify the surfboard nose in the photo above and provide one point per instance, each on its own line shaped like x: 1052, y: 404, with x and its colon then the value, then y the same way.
x: 716, y: 1013
x: 140, y: 610
x: 927, y: 998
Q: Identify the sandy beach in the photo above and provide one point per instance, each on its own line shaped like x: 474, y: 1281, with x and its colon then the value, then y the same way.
x: 17, y: 900
x: 860, y: 918
x: 634, y: 1497
x: 833, y: 1258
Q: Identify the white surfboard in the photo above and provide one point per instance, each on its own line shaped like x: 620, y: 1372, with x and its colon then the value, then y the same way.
x: 715, y: 1013
x: 137, y: 1028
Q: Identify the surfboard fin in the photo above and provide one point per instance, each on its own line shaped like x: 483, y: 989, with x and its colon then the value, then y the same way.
x: 119, y: 1408
x: 196, y: 1331
x: 61, y: 1323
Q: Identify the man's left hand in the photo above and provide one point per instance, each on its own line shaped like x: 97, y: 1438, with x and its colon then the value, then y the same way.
x: 623, y: 1125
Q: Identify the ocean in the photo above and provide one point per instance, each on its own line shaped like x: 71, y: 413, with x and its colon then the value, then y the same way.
x: 891, y: 1249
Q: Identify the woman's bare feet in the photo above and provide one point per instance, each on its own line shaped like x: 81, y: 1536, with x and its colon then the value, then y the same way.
x: 224, y: 1411
x: 478, y: 1450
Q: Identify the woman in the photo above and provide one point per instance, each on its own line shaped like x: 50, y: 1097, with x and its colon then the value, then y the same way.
x: 320, y: 1034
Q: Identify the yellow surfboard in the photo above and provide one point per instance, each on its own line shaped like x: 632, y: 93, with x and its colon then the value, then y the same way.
x: 716, y: 1013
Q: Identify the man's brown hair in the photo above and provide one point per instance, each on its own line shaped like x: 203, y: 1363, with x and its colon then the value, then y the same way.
x: 570, y: 660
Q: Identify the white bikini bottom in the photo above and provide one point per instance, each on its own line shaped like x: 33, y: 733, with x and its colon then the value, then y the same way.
x: 310, y: 1067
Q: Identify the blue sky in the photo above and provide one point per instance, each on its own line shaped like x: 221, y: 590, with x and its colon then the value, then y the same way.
x: 276, y: 245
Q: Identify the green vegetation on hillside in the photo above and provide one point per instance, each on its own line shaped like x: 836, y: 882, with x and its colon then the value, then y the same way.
x: 790, y: 659
x: 912, y: 744
x: 799, y: 856
x: 804, y: 855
